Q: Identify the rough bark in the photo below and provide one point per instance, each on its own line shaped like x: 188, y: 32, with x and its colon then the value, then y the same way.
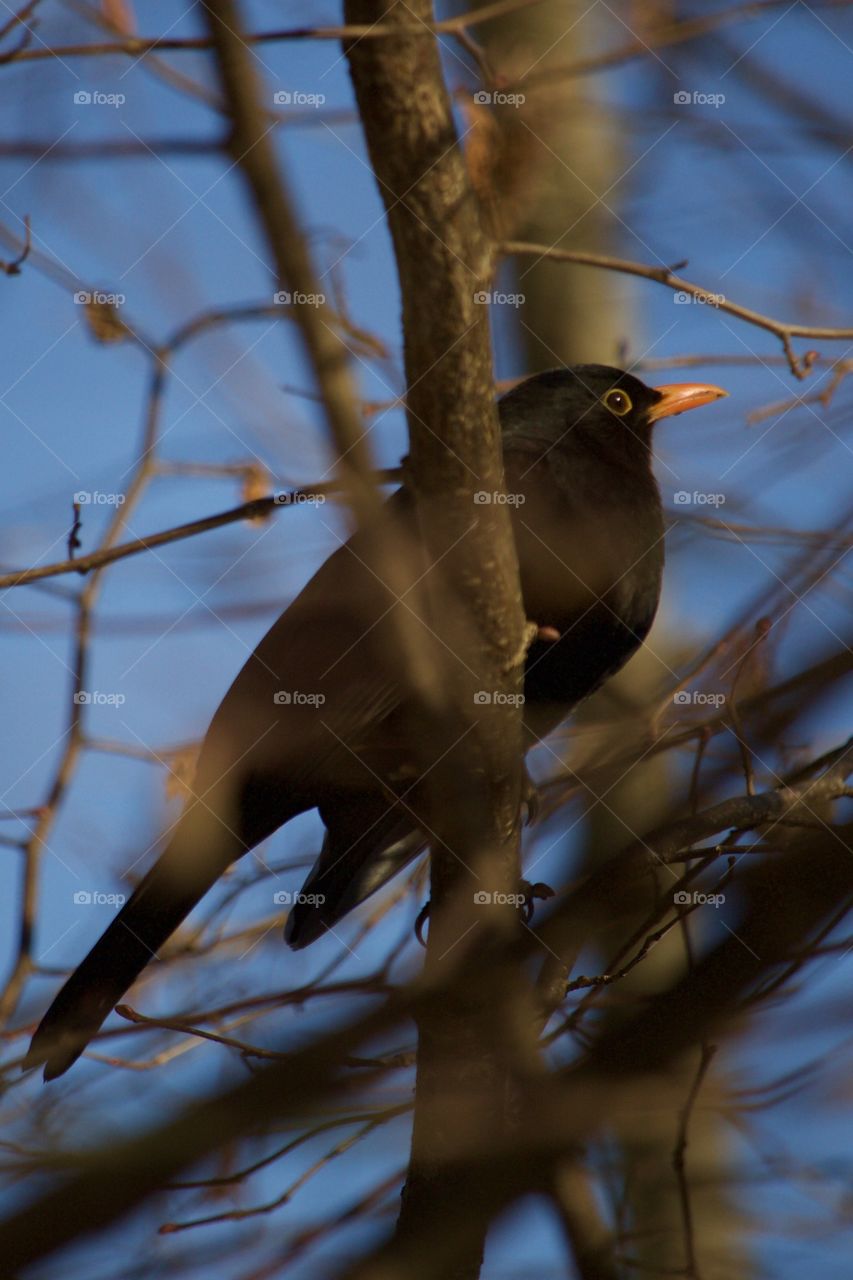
x: 444, y: 259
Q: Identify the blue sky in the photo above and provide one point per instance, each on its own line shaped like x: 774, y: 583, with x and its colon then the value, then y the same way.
x: 759, y: 207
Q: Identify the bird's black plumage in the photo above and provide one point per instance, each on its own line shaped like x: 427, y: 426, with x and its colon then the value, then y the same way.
x: 319, y: 716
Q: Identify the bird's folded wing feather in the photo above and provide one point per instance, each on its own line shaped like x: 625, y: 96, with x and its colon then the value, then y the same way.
x: 305, y: 705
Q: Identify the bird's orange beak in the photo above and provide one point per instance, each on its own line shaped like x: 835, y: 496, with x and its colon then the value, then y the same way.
x: 678, y: 397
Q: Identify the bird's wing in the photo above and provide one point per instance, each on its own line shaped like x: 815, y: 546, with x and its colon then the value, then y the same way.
x: 368, y: 840
x: 303, y: 711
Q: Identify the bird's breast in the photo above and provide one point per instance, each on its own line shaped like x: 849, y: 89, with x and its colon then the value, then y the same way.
x: 599, y: 591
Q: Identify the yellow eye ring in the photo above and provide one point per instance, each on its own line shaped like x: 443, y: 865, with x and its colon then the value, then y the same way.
x: 618, y: 402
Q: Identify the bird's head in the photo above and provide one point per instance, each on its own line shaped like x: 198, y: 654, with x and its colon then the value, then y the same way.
x: 595, y: 408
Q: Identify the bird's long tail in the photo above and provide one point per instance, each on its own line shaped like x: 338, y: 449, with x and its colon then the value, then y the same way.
x: 161, y: 901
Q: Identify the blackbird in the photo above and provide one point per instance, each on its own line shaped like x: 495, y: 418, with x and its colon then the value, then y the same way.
x: 320, y: 716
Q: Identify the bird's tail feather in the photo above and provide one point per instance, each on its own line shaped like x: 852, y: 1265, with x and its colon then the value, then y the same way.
x: 161, y: 901
x: 367, y: 842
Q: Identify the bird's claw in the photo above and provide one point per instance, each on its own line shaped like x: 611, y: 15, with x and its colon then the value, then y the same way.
x: 534, y: 632
x: 423, y: 916
x: 539, y: 891
x: 532, y: 893
x: 530, y: 799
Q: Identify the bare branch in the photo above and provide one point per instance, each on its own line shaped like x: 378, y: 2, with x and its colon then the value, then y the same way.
x: 254, y: 510
x: 799, y: 366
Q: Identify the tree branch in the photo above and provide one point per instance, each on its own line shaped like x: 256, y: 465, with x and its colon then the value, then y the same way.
x: 257, y: 508
x: 800, y: 367
x: 443, y: 259
x: 254, y: 155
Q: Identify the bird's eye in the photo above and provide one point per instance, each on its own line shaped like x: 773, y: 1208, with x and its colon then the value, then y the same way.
x: 618, y: 402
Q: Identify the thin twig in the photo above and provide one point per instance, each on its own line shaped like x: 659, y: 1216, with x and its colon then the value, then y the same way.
x: 679, y: 1163
x: 13, y: 268
x: 799, y: 366
x: 257, y: 508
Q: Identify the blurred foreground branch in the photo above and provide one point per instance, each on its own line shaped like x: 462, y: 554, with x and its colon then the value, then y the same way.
x: 783, y: 902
